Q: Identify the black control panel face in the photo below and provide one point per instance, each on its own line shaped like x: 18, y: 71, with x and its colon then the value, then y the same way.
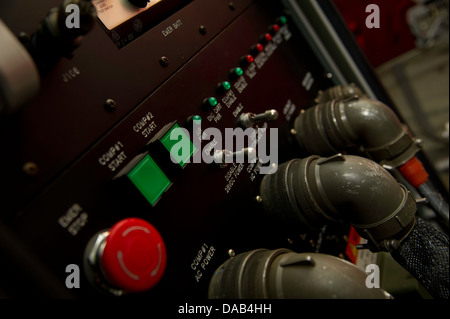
x: 93, y: 148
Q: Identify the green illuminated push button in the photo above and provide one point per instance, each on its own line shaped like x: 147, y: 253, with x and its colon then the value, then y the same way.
x: 282, y: 20
x: 224, y: 87
x: 210, y: 103
x: 179, y: 145
x: 236, y: 72
x: 149, y: 179
x: 193, y: 120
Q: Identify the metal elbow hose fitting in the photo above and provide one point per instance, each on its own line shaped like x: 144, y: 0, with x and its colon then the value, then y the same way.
x: 346, y: 120
x: 338, y: 125
x: 312, y: 192
x: 339, y: 92
x: 283, y: 274
x: 315, y: 191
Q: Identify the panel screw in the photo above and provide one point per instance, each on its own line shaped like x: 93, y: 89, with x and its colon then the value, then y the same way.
x: 203, y: 29
x: 164, y: 61
x: 231, y: 253
x: 419, y: 143
x: 23, y: 37
x: 30, y: 168
x: 259, y: 199
x: 110, y: 104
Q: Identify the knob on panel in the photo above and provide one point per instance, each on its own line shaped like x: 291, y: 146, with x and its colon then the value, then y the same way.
x: 134, y: 257
x: 128, y: 258
x: 284, y: 274
x: 56, y: 37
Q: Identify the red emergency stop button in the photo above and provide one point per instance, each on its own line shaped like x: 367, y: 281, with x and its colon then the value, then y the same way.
x: 134, y: 257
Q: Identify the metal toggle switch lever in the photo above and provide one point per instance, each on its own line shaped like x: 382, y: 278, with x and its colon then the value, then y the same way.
x: 247, y: 120
x: 225, y: 157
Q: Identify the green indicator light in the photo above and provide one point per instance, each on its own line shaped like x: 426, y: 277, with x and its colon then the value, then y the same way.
x: 226, y: 86
x: 149, y: 179
x: 179, y: 145
x: 197, y: 118
x: 283, y: 20
x: 212, y: 101
x: 238, y: 71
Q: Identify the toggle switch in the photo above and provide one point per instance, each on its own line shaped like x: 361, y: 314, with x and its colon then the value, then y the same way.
x: 225, y: 157
x: 247, y: 120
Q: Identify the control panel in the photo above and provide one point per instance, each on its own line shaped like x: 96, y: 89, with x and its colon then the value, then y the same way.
x: 140, y: 158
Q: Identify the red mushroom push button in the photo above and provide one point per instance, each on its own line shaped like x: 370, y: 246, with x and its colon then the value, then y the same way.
x: 134, y: 256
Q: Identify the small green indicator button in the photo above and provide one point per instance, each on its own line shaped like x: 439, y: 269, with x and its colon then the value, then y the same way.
x: 197, y: 119
x: 149, y: 179
x: 211, y: 102
x: 226, y: 86
x: 283, y: 20
x: 238, y: 71
x: 179, y: 145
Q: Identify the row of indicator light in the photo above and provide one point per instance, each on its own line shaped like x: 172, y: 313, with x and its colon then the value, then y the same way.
x: 246, y: 60
x: 265, y: 38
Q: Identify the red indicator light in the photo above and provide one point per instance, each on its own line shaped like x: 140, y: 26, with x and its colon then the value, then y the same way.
x: 268, y: 37
x: 246, y: 60
x: 276, y: 28
x: 259, y: 47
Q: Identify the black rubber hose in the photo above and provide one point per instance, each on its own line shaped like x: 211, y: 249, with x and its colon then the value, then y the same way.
x: 436, y: 201
x: 424, y: 253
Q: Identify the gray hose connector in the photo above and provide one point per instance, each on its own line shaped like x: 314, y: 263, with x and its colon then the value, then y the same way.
x: 315, y: 191
x: 334, y: 126
x: 339, y: 92
x: 283, y: 274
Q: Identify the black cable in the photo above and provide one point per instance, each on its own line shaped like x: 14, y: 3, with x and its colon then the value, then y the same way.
x: 424, y: 254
